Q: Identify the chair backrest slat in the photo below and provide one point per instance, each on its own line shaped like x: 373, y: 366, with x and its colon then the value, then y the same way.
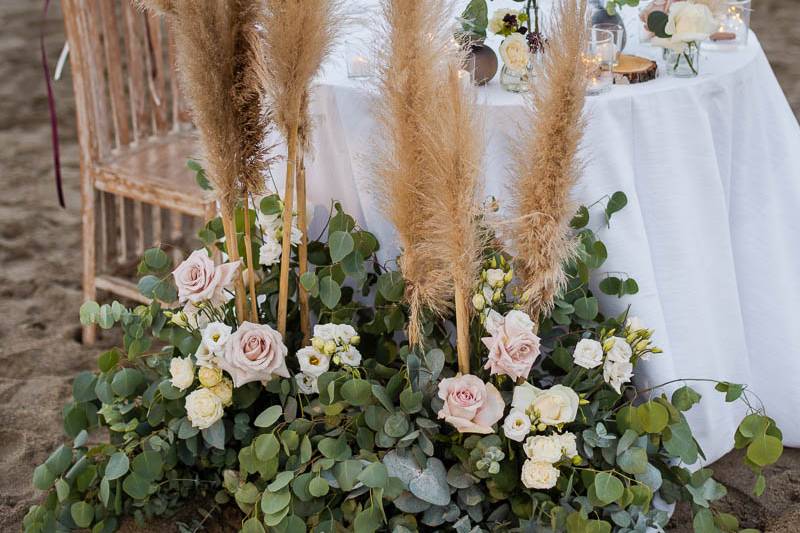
x: 137, y: 87
x: 113, y: 55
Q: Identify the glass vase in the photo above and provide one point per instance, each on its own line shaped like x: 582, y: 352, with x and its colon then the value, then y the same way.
x: 685, y: 64
x: 514, y: 81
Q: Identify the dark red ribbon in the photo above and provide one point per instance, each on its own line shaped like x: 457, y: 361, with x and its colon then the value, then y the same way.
x: 51, y: 104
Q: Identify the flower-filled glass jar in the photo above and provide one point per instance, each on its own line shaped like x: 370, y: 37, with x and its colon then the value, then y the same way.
x: 683, y: 63
x: 515, y: 54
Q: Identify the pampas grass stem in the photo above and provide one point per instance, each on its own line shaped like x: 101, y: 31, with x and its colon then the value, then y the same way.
x: 302, y: 222
x: 248, y: 249
x: 286, y: 241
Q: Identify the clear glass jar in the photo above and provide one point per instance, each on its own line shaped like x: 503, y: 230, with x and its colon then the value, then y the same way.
x: 514, y: 81
x: 685, y: 64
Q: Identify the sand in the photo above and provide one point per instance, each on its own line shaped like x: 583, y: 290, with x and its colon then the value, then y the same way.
x: 40, y: 276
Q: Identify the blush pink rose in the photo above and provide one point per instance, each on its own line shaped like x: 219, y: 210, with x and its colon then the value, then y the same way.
x: 513, y: 346
x: 255, y: 352
x: 470, y: 405
x: 198, y: 279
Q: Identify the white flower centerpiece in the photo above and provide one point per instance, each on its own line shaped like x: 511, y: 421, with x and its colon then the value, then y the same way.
x: 680, y: 32
x: 520, y: 44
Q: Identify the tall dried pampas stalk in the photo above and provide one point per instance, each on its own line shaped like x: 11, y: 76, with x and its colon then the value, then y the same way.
x: 298, y: 35
x: 428, y: 162
x: 545, y: 161
x: 216, y: 44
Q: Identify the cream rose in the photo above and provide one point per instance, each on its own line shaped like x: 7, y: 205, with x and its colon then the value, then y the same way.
x: 198, y: 279
x: 539, y: 475
x: 312, y: 362
x: 588, y: 353
x: 517, y: 425
x: 513, y: 347
x: 687, y: 23
x: 541, y: 448
x: 203, y: 408
x: 255, y: 352
x: 515, y: 52
x: 470, y: 405
x: 224, y: 391
x: 553, y: 406
x: 569, y: 445
x: 209, y: 376
x: 618, y: 350
x: 182, y: 372
x: 617, y: 373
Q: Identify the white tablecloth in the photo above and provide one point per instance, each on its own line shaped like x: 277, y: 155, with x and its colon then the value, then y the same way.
x: 711, y: 168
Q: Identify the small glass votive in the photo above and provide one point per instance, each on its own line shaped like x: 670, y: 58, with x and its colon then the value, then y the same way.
x: 599, y: 59
x: 733, y: 26
x: 617, y: 32
x: 358, y: 60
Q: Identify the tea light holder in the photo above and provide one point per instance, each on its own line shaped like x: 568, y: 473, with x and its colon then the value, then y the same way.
x: 359, y: 65
x: 617, y: 33
x: 599, y: 59
x: 733, y: 26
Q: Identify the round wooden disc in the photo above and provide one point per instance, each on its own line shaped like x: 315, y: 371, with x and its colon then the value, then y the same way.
x: 634, y: 69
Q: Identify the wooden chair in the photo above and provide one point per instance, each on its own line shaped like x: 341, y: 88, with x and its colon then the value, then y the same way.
x: 135, y: 138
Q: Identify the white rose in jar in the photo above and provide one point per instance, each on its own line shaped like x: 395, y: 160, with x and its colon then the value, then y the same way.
x: 515, y: 52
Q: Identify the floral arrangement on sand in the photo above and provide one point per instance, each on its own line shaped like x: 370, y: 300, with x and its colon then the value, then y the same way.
x: 477, y: 387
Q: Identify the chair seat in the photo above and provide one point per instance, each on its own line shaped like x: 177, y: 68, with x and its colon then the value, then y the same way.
x: 155, y: 172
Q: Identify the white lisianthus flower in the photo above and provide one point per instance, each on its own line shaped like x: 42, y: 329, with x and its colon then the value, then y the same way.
x: 545, y: 449
x: 618, y: 350
x: 307, y: 384
x: 350, y: 357
x: 270, y: 252
x: 488, y: 293
x: 204, y: 356
x: 215, y: 335
x: 517, y: 425
x: 313, y: 362
x: 272, y: 226
x: 345, y: 332
x: 495, y: 277
x: 182, y: 372
x: 539, y: 475
x: 515, y: 52
x: 634, y: 324
x: 569, y: 445
x: 588, y: 354
x: 326, y: 332
x: 617, y: 373
x: 203, y: 408
x: 553, y: 406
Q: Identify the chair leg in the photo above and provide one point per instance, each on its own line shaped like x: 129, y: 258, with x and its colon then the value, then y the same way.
x: 89, y: 252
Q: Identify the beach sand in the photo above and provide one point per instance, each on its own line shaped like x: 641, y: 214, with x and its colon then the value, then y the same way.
x: 40, y: 276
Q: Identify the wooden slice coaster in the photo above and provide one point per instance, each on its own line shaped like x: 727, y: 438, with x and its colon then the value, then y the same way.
x: 634, y: 69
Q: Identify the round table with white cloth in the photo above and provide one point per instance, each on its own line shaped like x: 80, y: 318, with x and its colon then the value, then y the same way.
x: 711, y: 169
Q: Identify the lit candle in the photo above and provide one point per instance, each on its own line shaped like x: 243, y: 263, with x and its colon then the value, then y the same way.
x: 359, y: 67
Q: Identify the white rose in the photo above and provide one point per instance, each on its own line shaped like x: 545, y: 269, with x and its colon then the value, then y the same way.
x: 689, y: 22
x: 326, y: 332
x: 215, y: 336
x: 517, y: 425
x: 518, y: 320
x: 306, y: 383
x: 634, y: 323
x: 313, y: 362
x: 204, y: 356
x: 270, y: 252
x: 619, y: 351
x: 569, y: 445
x: 350, y: 357
x: 588, y: 353
x: 495, y: 277
x: 203, y: 408
x: 553, y: 406
x: 345, y: 332
x: 545, y: 449
x: 182, y: 372
x: 515, y: 52
x: 617, y: 373
x: 538, y: 475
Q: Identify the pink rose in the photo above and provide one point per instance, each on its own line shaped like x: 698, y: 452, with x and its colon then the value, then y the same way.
x: 470, y: 405
x: 255, y: 352
x: 198, y: 279
x: 513, y: 346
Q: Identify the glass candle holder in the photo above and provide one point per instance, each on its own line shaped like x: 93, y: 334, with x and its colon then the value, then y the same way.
x: 358, y: 60
x: 733, y: 28
x: 617, y: 33
x: 599, y: 59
